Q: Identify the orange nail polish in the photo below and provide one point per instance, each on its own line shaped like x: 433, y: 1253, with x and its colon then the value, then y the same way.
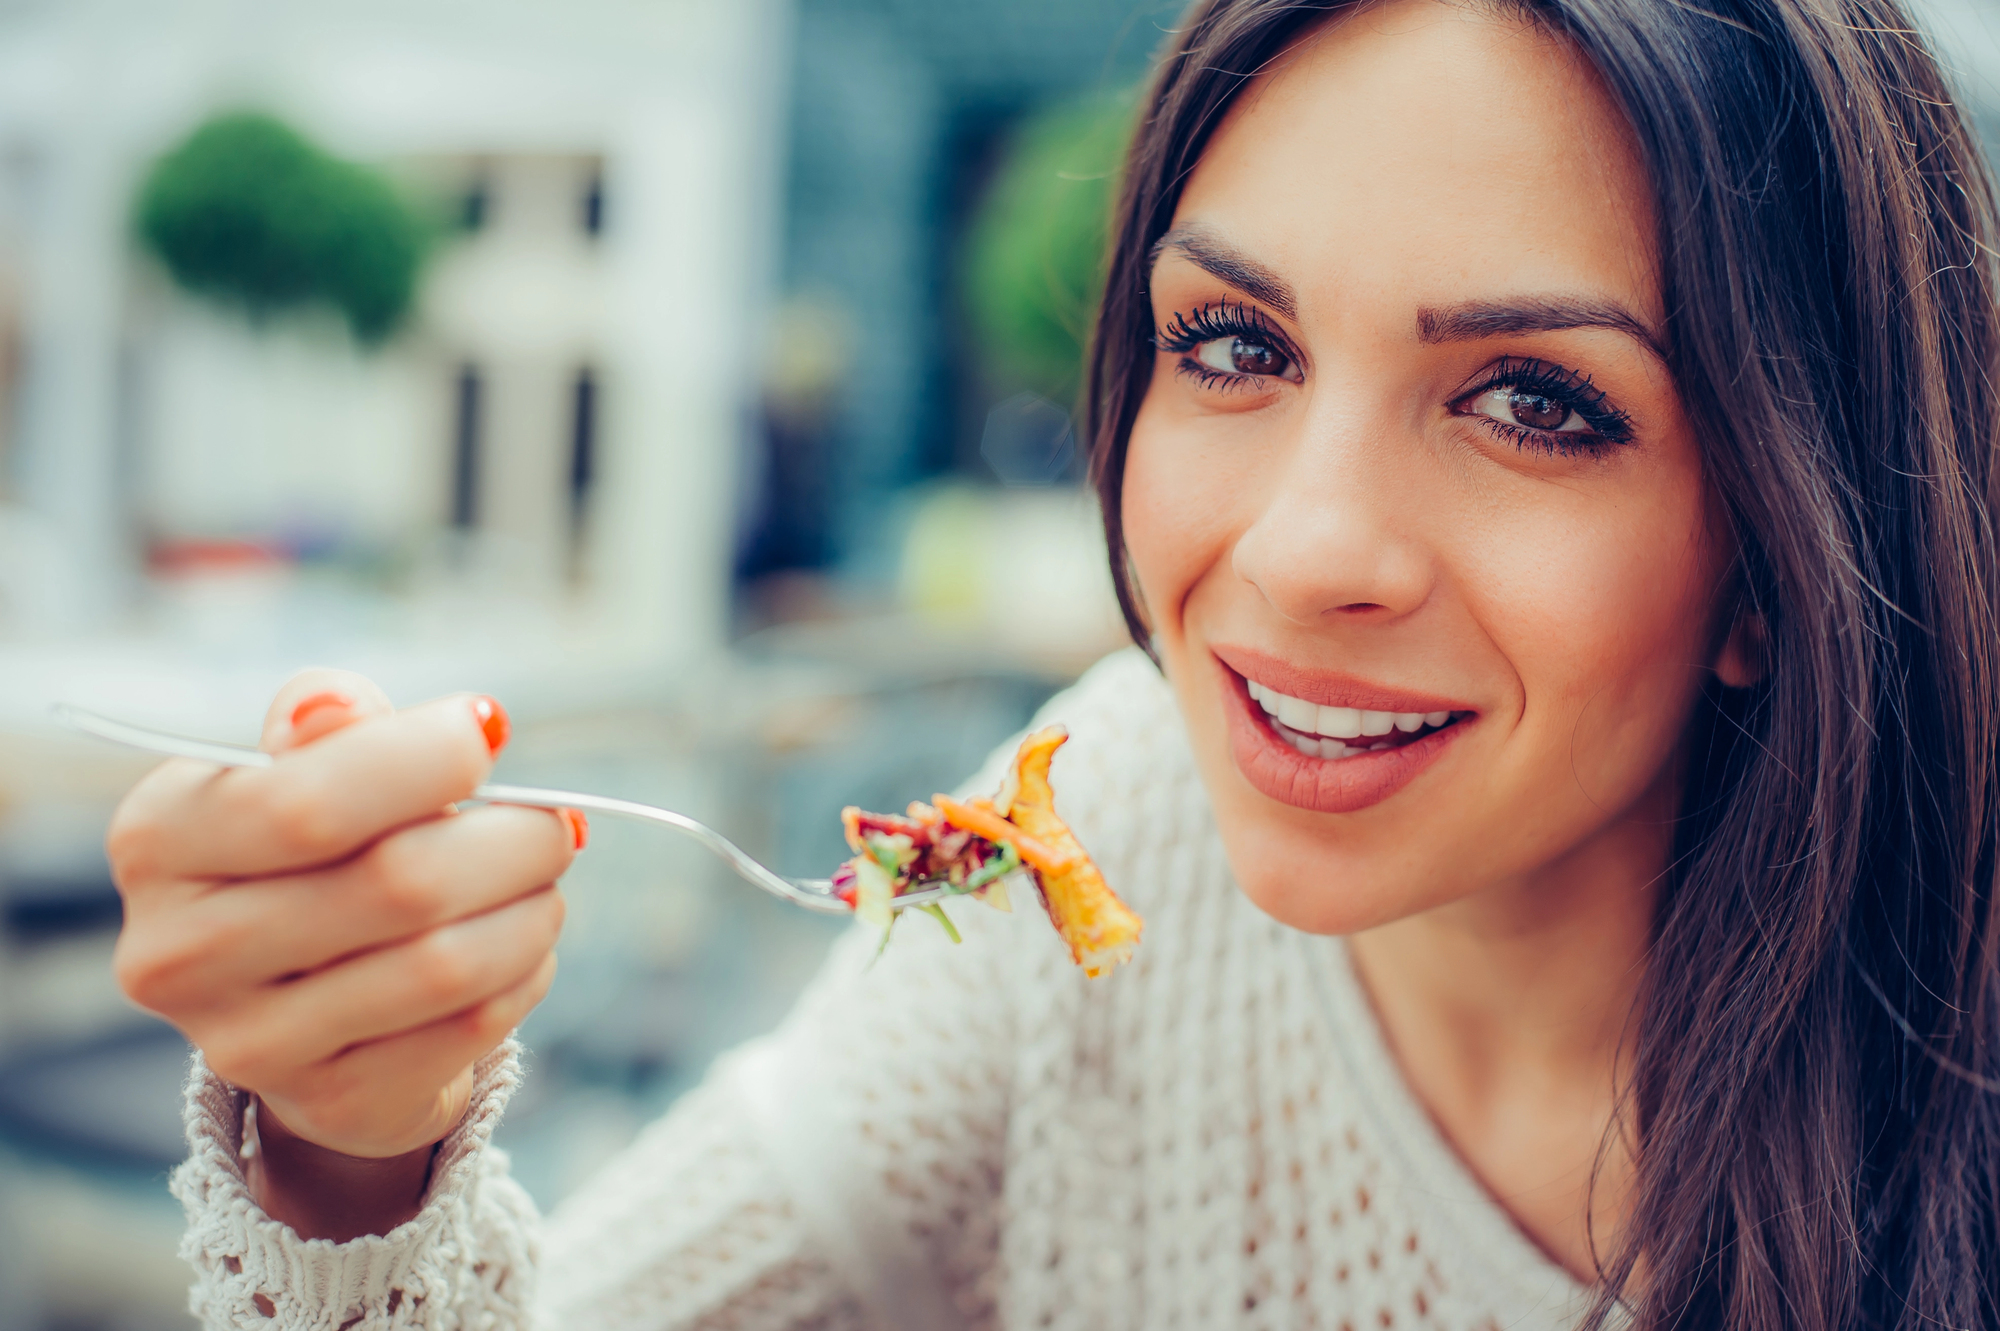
x: 310, y: 705
x: 579, y: 827
x: 493, y: 722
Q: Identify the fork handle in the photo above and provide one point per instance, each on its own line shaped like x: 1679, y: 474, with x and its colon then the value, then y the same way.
x: 813, y: 894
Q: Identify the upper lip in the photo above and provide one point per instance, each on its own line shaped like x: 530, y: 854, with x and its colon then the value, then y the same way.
x: 1331, y: 688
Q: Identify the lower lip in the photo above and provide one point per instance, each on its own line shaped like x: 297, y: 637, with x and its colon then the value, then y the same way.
x: 1324, y: 785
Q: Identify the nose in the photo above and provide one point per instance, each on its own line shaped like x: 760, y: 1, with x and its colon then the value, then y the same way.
x: 1339, y: 533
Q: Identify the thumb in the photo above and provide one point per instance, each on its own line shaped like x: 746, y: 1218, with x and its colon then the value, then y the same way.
x: 450, y: 1106
x: 317, y: 702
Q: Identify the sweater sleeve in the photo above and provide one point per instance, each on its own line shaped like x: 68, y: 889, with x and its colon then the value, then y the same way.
x: 466, y: 1259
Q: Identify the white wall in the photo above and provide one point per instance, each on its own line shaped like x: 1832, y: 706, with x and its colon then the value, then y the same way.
x: 296, y: 429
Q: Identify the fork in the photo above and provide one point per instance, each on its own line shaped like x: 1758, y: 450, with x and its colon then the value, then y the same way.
x: 814, y: 894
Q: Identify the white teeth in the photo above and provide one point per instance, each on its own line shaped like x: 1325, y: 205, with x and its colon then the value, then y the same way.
x: 1298, y: 713
x: 1339, y: 722
x: 1335, y: 724
x: 1325, y: 748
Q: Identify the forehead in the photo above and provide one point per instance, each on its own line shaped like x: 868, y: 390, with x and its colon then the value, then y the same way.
x: 1434, y: 151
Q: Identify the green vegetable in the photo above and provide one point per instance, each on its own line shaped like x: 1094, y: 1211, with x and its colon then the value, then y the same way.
x: 936, y: 912
x: 883, y: 946
x: 875, y: 888
x: 894, y: 853
x: 998, y: 867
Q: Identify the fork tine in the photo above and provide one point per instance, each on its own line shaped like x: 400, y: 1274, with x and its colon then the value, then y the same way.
x: 813, y: 894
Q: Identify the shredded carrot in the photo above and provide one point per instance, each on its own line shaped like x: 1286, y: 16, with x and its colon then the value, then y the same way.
x: 984, y: 822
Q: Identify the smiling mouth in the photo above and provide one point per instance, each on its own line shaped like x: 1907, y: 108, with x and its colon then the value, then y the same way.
x: 1318, y: 731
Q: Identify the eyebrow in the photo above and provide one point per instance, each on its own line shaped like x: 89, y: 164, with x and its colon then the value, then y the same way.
x: 1530, y: 314
x: 1224, y: 264
x: 1464, y: 322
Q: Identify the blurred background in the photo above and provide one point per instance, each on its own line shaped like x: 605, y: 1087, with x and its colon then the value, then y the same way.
x: 695, y: 378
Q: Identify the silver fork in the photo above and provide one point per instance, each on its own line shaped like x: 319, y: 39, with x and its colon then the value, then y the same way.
x: 815, y: 894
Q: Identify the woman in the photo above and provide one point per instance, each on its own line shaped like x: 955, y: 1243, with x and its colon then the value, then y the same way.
x: 1550, y: 451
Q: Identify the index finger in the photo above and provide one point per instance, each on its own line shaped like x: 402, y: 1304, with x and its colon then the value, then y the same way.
x: 317, y: 701
x: 320, y: 803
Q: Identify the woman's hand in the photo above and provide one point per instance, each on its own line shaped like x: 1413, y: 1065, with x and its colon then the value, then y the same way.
x: 328, y: 931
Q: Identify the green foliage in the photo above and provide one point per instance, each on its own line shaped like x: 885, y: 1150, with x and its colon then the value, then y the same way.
x: 248, y: 212
x: 1035, y: 252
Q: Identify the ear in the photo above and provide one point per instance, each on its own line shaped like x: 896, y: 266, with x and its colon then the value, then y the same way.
x: 1745, y: 655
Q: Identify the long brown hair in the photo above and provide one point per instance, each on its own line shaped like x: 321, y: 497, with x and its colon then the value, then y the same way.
x: 1816, y: 1089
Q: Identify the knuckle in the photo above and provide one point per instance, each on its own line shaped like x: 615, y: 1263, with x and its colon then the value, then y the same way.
x: 489, y: 1022
x: 237, y: 1057
x: 141, y: 976
x: 135, y: 841
x: 153, y: 972
x: 302, y: 819
x: 131, y: 843
x: 139, y: 972
x: 230, y: 933
x: 555, y: 909
x: 406, y: 882
x: 442, y: 969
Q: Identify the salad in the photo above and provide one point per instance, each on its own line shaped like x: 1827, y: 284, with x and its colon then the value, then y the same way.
x: 978, y: 847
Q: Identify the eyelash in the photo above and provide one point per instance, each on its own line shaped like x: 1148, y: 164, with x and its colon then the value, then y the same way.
x: 1206, y: 324
x: 1608, y: 425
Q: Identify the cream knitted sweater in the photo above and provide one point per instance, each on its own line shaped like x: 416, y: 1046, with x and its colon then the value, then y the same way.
x: 974, y: 1136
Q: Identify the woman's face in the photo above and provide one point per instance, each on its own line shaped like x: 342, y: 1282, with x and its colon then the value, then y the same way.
x: 1412, y: 475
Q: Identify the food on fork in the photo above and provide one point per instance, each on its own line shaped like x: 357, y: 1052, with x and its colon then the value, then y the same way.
x: 976, y: 846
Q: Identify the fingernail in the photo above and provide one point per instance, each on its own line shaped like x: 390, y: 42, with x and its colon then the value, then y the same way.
x: 318, y: 700
x: 493, y: 723
x: 579, y: 827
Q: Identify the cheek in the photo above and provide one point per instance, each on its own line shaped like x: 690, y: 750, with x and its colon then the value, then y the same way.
x: 1179, y: 500
x: 1607, y: 622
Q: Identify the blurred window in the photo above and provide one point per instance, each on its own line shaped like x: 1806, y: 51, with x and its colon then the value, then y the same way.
x: 593, y: 205
x: 474, y: 204
x: 582, y: 447
x: 465, y: 449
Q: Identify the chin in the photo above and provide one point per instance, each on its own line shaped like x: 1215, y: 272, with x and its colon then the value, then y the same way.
x: 1316, y: 881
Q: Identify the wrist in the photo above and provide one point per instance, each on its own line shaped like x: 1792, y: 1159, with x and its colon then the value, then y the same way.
x: 323, y: 1193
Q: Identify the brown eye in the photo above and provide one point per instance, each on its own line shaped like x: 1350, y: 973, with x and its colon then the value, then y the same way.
x: 1245, y: 356
x: 1256, y: 358
x: 1537, y: 412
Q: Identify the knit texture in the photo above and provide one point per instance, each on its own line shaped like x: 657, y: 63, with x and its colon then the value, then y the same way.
x: 968, y: 1136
